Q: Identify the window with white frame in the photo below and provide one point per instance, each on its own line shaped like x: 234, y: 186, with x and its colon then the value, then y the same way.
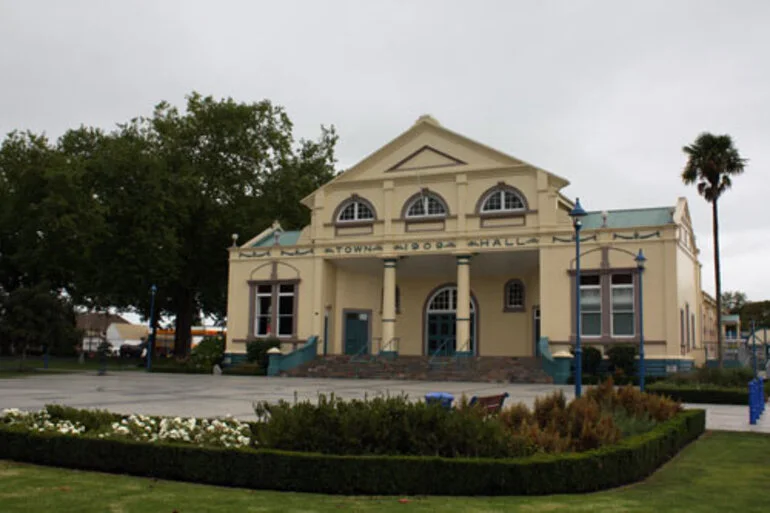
x: 590, y: 306
x: 426, y: 205
x: 263, y: 315
x: 502, y: 200
x: 514, y: 295
x: 355, y: 210
x: 275, y: 309
x: 622, y: 290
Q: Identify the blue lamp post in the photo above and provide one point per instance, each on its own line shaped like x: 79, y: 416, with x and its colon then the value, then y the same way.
x: 640, y: 260
x: 151, y: 341
x: 577, y: 214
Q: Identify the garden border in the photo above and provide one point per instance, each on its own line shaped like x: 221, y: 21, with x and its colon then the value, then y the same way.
x: 628, y: 461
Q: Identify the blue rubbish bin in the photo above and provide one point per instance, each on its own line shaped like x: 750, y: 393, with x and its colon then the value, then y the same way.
x: 442, y: 398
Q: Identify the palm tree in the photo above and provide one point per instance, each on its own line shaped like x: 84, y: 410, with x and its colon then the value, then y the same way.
x: 712, y: 161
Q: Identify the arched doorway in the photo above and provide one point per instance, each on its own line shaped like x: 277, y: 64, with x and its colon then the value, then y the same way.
x: 440, y: 321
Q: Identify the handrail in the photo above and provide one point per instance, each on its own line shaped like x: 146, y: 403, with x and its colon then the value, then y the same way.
x: 358, y: 357
x: 436, y: 353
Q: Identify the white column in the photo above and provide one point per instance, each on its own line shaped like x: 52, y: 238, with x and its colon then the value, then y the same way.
x: 463, y: 303
x: 388, y: 302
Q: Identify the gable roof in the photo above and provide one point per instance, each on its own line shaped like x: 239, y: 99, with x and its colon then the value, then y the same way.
x: 284, y: 239
x: 630, y: 218
x: 433, y: 157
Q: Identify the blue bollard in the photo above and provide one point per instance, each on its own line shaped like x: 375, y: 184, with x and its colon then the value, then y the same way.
x: 756, y: 399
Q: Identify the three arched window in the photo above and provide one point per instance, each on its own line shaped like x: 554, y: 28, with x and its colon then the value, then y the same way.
x: 502, y: 199
x: 426, y: 204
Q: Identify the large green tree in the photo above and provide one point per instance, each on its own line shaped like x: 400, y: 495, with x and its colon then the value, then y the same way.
x: 733, y: 300
x: 173, y: 187
x: 712, y: 162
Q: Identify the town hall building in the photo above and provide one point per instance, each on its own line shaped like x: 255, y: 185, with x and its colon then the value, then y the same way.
x: 436, y: 244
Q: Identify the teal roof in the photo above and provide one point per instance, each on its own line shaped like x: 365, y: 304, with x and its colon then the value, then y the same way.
x: 630, y: 218
x: 284, y: 239
x: 731, y: 318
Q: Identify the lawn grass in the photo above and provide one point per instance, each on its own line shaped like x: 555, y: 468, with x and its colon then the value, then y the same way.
x: 720, y: 472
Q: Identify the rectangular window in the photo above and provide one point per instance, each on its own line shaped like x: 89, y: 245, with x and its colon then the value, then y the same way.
x: 264, y: 311
x: 274, y: 309
x: 590, y: 306
x: 622, y: 288
x: 692, y: 328
x: 687, y: 325
x: 681, y: 328
x: 286, y: 310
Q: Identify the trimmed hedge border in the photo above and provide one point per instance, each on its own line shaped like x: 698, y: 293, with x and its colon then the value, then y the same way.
x: 704, y: 394
x: 628, y: 461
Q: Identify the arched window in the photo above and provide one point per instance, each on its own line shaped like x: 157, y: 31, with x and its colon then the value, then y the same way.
x: 514, y: 296
x: 355, y: 210
x: 425, y: 204
x: 502, y: 199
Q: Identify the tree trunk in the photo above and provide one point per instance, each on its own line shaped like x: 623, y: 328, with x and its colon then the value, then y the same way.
x: 718, y: 278
x: 185, y: 311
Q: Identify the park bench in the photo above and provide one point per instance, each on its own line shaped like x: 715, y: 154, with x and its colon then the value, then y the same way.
x: 490, y: 403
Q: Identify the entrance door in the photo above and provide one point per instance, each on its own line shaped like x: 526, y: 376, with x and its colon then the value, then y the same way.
x: 356, y: 332
x: 441, y: 323
x: 536, y: 328
x: 442, y: 331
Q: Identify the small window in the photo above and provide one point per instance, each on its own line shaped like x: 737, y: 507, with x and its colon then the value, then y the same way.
x: 514, y: 296
x: 590, y: 306
x: 264, y: 311
x: 355, y: 210
x: 502, y: 200
x: 426, y: 205
x: 622, y: 287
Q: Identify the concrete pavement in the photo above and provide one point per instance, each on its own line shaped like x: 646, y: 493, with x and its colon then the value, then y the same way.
x: 210, y: 396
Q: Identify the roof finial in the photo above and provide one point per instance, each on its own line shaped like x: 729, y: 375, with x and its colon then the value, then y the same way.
x: 427, y: 118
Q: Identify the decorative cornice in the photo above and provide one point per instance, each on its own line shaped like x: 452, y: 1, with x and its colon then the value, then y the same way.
x: 572, y: 239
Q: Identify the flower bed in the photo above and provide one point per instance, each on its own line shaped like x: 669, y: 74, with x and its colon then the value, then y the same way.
x: 227, y: 433
x: 628, y: 461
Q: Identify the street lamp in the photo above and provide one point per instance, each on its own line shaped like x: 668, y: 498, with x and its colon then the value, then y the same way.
x: 151, y: 341
x: 577, y: 214
x: 640, y: 260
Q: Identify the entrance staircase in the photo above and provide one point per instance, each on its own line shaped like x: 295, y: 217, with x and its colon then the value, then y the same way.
x: 490, y: 369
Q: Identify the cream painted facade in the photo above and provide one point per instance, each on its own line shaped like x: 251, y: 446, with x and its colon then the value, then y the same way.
x: 433, y: 209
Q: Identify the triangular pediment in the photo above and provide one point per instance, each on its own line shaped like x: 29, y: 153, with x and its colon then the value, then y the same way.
x: 427, y: 157
x: 425, y: 149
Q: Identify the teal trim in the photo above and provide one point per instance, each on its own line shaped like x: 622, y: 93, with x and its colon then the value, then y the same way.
x: 233, y: 358
x: 558, y: 368
x: 388, y: 355
x: 289, y: 238
x: 630, y: 218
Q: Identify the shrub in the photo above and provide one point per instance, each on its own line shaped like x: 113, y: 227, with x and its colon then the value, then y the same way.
x: 384, y: 425
x: 630, y: 460
x: 622, y: 358
x: 256, y: 350
x: 592, y: 360
x: 705, y: 393
x: 209, y: 352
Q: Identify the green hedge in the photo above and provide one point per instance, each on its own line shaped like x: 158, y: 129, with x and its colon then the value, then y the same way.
x: 704, y: 393
x: 630, y: 460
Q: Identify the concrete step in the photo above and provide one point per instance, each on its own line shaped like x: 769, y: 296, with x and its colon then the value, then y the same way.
x: 485, y: 369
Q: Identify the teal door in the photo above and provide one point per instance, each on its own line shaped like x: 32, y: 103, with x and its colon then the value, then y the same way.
x: 356, y: 333
x: 442, y: 330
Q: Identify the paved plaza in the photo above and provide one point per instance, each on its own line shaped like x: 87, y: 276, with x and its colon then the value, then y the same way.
x: 210, y: 396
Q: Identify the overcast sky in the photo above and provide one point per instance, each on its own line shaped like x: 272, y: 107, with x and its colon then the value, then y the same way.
x: 604, y: 93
